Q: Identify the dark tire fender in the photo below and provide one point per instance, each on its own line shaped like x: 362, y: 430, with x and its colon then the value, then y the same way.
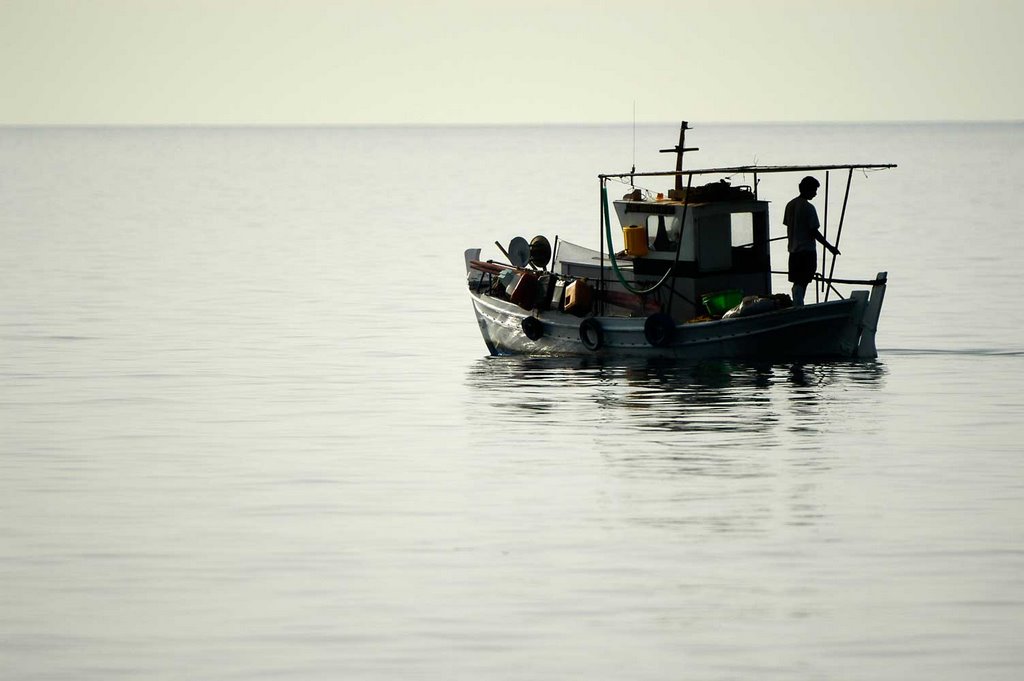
x: 591, y: 333
x: 659, y: 329
x: 533, y: 328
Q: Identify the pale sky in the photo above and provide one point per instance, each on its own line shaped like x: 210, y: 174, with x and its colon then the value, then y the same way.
x: 517, y: 61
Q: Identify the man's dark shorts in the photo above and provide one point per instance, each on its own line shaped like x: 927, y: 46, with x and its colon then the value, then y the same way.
x: 801, y: 266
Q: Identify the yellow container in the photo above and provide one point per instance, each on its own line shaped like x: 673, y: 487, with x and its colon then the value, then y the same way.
x: 578, y: 297
x: 636, y: 240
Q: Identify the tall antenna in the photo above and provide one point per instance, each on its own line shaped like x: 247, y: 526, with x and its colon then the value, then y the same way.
x: 634, y: 145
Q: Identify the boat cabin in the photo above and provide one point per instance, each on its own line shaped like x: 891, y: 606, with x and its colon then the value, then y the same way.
x: 724, y: 245
x: 721, y: 245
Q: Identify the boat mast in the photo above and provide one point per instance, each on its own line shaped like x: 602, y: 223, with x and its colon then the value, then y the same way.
x: 678, y: 150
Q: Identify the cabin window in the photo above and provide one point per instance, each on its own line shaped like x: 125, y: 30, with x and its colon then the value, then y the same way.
x: 671, y: 223
x: 742, y: 230
x: 652, y: 225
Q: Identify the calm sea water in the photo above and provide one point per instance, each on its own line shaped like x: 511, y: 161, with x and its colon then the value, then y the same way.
x: 248, y: 428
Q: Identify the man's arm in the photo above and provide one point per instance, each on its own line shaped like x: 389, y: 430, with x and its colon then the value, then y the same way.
x: 829, y: 247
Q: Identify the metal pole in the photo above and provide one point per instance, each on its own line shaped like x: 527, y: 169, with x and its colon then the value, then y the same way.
x: 839, y: 231
x: 824, y: 233
x: 600, y: 279
x: 679, y: 155
x: 679, y: 246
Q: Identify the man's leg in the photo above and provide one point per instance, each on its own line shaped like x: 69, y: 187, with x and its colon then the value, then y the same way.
x: 798, y: 294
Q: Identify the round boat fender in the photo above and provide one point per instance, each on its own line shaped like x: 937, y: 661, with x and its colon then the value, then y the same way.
x: 533, y: 328
x: 659, y: 329
x: 591, y: 334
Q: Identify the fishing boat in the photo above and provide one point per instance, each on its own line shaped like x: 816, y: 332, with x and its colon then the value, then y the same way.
x: 693, y: 281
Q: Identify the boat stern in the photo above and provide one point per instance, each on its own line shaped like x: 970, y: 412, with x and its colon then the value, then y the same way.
x: 869, y: 323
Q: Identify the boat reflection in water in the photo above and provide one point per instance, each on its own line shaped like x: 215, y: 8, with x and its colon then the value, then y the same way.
x: 741, y: 402
x: 710, y: 450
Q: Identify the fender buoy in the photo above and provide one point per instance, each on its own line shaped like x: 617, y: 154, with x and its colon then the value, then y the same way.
x: 591, y: 334
x: 533, y: 328
x: 659, y: 329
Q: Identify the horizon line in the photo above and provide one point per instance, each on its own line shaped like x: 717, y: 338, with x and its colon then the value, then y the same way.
x: 209, y: 125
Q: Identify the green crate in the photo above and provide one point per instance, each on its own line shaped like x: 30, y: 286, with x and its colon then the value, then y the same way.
x: 720, y: 302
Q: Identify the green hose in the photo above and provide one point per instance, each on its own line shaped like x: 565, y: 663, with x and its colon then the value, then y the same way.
x: 611, y: 253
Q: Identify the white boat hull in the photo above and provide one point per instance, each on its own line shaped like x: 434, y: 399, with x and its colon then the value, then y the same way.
x: 831, y: 329
x: 838, y: 328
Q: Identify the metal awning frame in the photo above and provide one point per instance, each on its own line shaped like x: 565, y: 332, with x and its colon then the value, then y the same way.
x: 754, y: 170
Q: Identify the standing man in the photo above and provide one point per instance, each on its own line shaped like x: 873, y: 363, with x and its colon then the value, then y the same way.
x: 802, y: 225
